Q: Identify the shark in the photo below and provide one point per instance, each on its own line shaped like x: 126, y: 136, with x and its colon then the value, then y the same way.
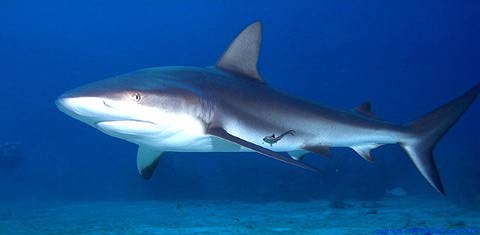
x: 228, y: 107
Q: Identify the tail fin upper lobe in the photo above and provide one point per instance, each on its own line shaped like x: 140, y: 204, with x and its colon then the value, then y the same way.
x: 427, y: 130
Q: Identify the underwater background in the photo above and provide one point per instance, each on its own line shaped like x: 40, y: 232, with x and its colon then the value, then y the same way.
x: 405, y: 57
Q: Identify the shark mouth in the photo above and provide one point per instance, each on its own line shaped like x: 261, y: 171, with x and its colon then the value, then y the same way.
x: 127, y: 127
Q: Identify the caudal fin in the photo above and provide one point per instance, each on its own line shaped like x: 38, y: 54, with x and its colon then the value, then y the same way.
x: 427, y: 130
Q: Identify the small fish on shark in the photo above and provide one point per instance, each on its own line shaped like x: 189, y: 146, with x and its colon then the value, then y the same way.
x: 216, y: 109
x: 272, y: 139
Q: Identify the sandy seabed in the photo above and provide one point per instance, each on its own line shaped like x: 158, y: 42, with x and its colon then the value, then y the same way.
x: 406, y: 215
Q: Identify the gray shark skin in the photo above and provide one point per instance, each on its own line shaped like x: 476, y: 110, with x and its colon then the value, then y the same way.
x: 229, y: 108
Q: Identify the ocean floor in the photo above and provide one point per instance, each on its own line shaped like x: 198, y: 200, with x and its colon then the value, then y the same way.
x: 406, y: 215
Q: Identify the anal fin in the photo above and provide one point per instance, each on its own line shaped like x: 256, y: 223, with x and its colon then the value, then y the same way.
x: 364, y: 151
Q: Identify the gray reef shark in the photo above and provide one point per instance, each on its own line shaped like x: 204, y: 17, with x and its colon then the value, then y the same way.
x: 229, y: 108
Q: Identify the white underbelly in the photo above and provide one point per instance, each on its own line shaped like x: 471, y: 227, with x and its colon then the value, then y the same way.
x: 205, y: 143
x: 190, y: 137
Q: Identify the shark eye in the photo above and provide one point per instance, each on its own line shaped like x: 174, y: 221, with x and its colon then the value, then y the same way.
x: 137, y: 97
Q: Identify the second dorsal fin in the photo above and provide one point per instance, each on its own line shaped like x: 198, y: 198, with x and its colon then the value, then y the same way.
x: 241, y: 56
x: 365, y: 109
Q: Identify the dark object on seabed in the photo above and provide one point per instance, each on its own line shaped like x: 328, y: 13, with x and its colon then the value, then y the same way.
x: 372, y: 211
x: 339, y: 204
x: 10, y: 157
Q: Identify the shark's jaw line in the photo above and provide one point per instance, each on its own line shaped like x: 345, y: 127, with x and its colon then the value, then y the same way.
x: 229, y: 108
x: 126, y: 121
x: 127, y: 127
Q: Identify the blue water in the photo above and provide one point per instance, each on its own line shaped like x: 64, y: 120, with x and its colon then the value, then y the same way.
x: 405, y: 57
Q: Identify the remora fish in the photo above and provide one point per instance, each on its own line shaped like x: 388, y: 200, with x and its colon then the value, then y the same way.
x: 229, y: 108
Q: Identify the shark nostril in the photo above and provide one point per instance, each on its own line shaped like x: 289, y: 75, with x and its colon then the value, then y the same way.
x: 106, y: 104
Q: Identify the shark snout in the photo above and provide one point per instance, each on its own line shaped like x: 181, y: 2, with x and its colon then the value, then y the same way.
x: 84, y: 100
x: 84, y: 108
x: 95, y: 110
x: 64, y: 103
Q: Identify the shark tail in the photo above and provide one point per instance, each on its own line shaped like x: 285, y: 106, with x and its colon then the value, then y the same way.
x: 426, y: 131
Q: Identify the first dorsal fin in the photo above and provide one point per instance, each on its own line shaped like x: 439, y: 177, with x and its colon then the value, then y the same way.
x: 241, y: 56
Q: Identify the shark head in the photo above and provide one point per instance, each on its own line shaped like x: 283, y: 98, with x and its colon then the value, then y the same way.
x: 140, y: 107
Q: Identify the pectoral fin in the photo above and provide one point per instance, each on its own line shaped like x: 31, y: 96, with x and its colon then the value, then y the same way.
x: 221, y: 133
x: 147, y: 161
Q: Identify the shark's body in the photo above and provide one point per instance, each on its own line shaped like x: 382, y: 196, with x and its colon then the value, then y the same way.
x: 228, y: 108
